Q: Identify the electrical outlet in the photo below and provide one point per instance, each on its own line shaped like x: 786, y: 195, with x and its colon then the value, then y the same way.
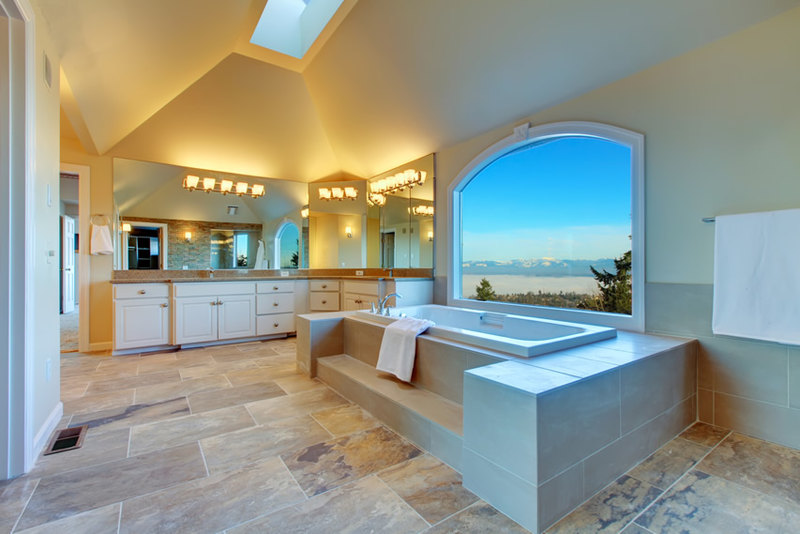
x: 359, y: 273
x: 284, y: 273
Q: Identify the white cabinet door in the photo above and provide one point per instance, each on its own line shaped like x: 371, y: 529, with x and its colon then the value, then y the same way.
x: 195, y: 319
x: 141, y: 322
x: 237, y: 316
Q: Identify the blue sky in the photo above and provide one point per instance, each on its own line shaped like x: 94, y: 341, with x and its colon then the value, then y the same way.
x: 564, y: 199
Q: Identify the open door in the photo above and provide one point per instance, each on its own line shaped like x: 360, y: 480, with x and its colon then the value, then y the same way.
x: 67, y: 264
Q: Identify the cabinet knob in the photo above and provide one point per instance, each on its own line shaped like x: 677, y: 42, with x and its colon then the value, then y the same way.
x: 324, y: 286
x: 213, y: 303
x: 275, y: 325
x: 274, y: 288
x: 275, y: 304
x: 220, y: 303
x: 324, y: 301
x: 142, y: 292
x: 165, y: 305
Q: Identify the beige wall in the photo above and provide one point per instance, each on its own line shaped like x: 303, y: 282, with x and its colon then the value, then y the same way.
x: 101, y: 202
x: 722, y: 129
x: 44, y: 346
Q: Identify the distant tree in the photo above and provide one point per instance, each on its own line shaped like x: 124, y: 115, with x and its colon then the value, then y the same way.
x: 241, y: 261
x: 484, y: 290
x: 615, y: 288
x: 295, y: 260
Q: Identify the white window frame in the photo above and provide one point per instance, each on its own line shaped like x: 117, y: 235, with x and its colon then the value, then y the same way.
x: 524, y: 135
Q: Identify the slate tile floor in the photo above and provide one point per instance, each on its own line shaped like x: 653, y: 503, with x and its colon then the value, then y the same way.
x: 231, y: 439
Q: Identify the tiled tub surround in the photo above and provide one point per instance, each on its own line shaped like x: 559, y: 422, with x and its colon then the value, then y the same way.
x: 538, y: 436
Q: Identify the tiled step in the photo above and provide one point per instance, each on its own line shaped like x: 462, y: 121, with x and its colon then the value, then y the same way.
x: 429, y: 420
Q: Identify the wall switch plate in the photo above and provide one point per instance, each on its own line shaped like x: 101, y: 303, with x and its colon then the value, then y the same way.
x: 359, y: 273
x: 284, y: 273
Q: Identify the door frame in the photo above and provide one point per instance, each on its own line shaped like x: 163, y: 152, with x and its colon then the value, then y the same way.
x: 84, y: 259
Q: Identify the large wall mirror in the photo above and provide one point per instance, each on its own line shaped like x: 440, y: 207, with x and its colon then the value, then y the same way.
x: 162, y: 225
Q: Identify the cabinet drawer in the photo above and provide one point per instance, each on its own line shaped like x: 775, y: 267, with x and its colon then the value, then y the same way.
x: 278, y: 323
x: 201, y: 289
x: 324, y: 301
x: 283, y: 286
x: 137, y: 291
x: 277, y: 303
x: 362, y: 287
x: 323, y: 285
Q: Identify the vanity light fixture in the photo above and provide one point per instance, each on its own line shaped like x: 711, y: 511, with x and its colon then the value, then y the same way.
x: 348, y: 231
x: 188, y: 237
x: 376, y: 199
x: 398, y: 182
x: 422, y: 210
x: 126, y: 227
x: 224, y: 186
x: 337, y: 193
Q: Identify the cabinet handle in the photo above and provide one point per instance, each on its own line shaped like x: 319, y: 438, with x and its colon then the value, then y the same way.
x: 274, y: 288
x: 213, y: 303
x: 275, y: 325
x: 165, y: 305
x: 324, y: 301
x: 142, y: 291
x: 324, y: 286
x: 220, y: 303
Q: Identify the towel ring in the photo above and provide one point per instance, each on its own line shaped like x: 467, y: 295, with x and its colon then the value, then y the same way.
x: 99, y: 220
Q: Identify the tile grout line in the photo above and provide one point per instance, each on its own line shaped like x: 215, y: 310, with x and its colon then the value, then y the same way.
x: 119, y: 517
x: 203, y: 456
x: 27, y: 502
x: 666, y: 490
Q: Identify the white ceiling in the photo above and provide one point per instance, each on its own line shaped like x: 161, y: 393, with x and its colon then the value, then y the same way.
x: 178, y: 82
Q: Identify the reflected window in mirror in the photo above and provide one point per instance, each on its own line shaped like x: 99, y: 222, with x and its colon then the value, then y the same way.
x: 233, y: 249
x: 145, y: 246
x: 287, y: 246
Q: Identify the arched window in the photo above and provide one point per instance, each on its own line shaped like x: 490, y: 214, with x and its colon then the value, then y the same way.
x: 549, y: 222
x: 287, y: 246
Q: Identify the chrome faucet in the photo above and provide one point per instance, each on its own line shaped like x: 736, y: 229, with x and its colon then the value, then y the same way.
x: 210, y: 272
x: 383, y: 308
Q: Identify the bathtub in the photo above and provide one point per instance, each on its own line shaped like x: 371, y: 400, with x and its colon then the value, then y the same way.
x: 514, y: 334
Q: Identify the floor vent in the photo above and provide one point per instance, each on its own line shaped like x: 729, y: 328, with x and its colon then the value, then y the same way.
x: 66, y: 440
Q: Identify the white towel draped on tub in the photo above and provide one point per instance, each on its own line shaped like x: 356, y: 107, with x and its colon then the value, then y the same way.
x: 101, y: 240
x: 757, y: 276
x: 399, y: 346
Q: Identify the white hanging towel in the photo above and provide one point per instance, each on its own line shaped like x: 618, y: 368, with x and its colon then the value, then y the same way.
x: 757, y: 276
x: 101, y: 240
x: 399, y: 346
x: 259, y: 264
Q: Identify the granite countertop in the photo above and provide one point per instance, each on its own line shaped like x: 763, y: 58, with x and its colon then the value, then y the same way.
x: 157, y: 280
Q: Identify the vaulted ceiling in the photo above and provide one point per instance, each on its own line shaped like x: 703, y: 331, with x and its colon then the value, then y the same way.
x: 177, y: 81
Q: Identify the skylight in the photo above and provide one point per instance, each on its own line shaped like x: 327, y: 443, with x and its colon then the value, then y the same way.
x: 291, y: 26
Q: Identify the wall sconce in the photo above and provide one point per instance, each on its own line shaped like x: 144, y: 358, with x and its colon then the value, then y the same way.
x: 348, y: 231
x: 304, y: 212
x: 126, y: 227
x: 430, y: 236
x: 188, y: 237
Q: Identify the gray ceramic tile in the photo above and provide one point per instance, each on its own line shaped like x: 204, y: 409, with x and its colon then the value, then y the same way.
x: 205, y: 401
x: 767, y: 421
x: 364, y: 507
x: 217, y: 369
x: 233, y: 355
x: 756, y: 464
x: 214, y: 503
x: 151, y: 364
x: 559, y: 495
x: 132, y: 415
x: 794, y: 377
x: 294, y: 405
x: 433, y: 489
x: 172, y: 390
x: 155, y: 436
x: 478, y: 518
x: 99, y: 402
x: 258, y: 374
x: 610, y: 510
x: 296, y: 383
x: 446, y: 445
x: 576, y: 421
x: 333, y: 463
x: 705, y: 434
x: 662, y: 468
x: 103, y: 520
x: 237, y: 449
x: 567, y: 363
x: 656, y: 384
x: 747, y: 369
x: 105, y: 386
x: 345, y: 419
x: 98, y: 448
x: 14, y: 495
x: 703, y: 503
x: 77, y: 491
x: 705, y: 405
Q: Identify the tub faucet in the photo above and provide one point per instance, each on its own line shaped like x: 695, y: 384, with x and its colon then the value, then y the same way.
x: 383, y: 308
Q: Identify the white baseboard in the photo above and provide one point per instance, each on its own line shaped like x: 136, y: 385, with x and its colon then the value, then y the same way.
x: 43, y: 435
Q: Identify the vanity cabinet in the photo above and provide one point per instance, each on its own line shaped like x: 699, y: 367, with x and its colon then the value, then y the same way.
x: 141, y: 316
x: 361, y: 294
x: 323, y: 295
x: 275, y: 307
x: 214, y: 311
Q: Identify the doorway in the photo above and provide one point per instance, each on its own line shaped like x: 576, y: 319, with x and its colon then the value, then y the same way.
x: 69, y: 220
